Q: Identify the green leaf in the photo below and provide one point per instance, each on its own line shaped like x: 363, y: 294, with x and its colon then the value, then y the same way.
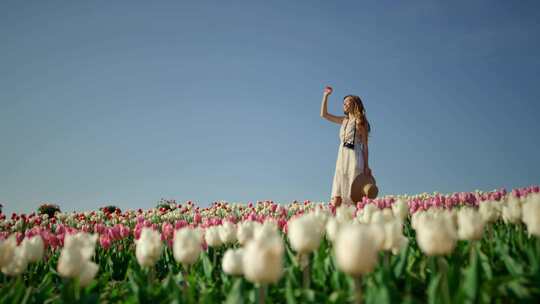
x: 486, y: 266
x: 516, y: 286
x: 292, y: 257
x: 289, y: 293
x: 433, y: 288
x: 401, y: 263
x: 207, y: 267
x: 235, y: 295
x: 472, y: 276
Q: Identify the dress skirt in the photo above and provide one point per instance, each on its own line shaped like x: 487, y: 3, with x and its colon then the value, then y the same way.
x: 349, y: 164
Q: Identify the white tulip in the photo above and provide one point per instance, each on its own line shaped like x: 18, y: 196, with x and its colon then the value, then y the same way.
x: 148, y: 247
x: 416, y: 218
x: 490, y: 211
x: 345, y: 213
x: 18, y: 263
x: 377, y: 217
x: 187, y: 245
x: 262, y: 260
x: 232, y: 261
x: 227, y: 233
x: 74, y: 260
x: 355, y: 250
x: 7, y: 250
x: 244, y: 231
x: 365, y: 215
x: 531, y: 216
x: 267, y: 229
x: 400, y: 209
x: 322, y: 216
x: 332, y: 228
x: 511, y: 211
x: 534, y: 197
x: 211, y: 235
x: 88, y: 272
x: 377, y: 232
x: 436, y: 234
x: 33, y: 248
x: 394, y: 240
x: 388, y: 215
x: 304, y: 233
x: 470, y: 224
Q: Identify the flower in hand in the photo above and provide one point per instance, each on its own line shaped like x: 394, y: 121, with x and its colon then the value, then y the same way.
x: 328, y: 90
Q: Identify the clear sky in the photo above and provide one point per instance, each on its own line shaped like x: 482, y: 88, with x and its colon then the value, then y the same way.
x: 128, y: 102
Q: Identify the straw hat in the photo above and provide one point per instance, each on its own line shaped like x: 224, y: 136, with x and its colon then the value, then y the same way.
x: 364, y: 185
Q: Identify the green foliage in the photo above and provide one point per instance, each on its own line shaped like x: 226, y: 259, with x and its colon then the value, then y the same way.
x: 503, y: 268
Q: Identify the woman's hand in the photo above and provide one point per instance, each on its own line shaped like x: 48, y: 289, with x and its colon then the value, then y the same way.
x: 328, y: 90
x: 367, y: 171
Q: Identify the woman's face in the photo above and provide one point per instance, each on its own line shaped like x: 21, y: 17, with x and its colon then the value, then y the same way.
x: 347, y: 104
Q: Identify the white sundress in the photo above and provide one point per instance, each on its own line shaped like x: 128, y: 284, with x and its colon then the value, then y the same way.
x: 349, y: 163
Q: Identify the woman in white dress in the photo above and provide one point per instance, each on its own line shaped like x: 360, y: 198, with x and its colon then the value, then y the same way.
x: 352, y: 158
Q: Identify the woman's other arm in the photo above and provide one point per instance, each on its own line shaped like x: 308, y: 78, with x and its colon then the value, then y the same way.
x: 324, y: 108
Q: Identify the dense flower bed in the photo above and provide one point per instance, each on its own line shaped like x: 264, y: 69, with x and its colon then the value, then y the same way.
x: 442, y: 248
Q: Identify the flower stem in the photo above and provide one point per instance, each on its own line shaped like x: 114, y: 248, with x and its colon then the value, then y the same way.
x: 303, y: 261
x: 358, y: 290
x: 442, y: 267
x: 261, y: 295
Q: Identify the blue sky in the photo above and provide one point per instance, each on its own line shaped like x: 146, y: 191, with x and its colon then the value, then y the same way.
x: 127, y: 102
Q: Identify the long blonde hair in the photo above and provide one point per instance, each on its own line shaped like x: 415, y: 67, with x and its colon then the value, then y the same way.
x: 359, y: 112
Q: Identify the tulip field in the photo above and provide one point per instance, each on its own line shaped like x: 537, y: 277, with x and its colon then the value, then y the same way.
x: 464, y: 247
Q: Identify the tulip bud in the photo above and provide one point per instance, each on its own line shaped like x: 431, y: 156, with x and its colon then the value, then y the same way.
x: 148, y: 247
x: 232, y: 261
x: 355, y: 250
x: 304, y: 233
x: 227, y: 233
x: 332, y: 228
x: 262, y: 260
x: 511, y: 211
x: 531, y: 217
x: 187, y: 245
x: 18, y: 263
x: 7, y: 250
x: 400, y: 209
x: 345, y: 213
x: 33, y: 248
x: 211, y: 235
x: 470, y: 224
x: 436, y: 234
x: 394, y: 240
x: 244, y: 231
x: 74, y: 260
x: 489, y: 211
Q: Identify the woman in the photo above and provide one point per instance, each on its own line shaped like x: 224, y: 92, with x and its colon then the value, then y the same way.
x: 352, y: 158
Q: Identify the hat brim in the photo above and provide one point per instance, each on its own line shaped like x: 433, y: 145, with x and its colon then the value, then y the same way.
x: 358, y: 184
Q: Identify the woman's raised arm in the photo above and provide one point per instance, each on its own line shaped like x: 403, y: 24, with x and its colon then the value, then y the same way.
x: 324, y: 108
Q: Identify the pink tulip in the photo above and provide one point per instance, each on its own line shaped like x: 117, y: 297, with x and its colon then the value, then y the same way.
x: 105, y: 241
x: 167, y: 231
